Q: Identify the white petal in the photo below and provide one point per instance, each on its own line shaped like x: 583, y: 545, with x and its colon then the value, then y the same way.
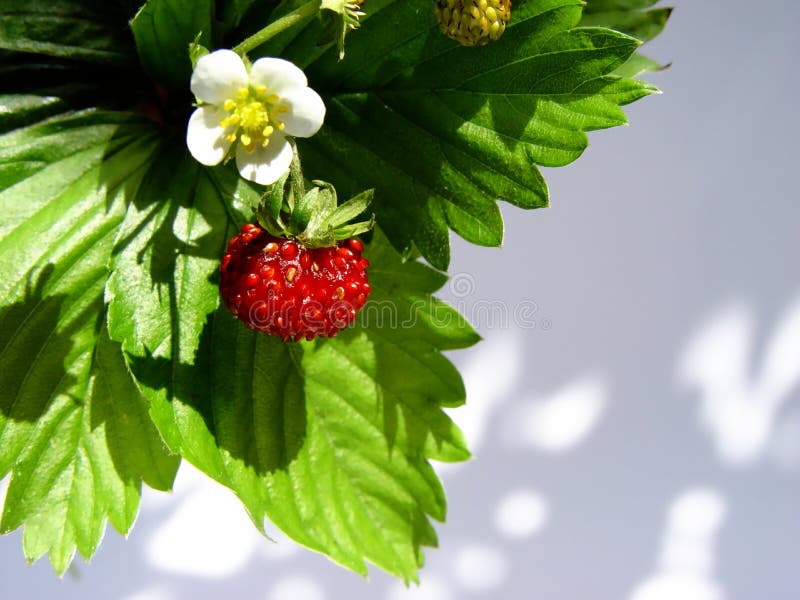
x: 205, y: 137
x: 277, y: 75
x: 306, y: 112
x: 265, y: 165
x: 218, y: 75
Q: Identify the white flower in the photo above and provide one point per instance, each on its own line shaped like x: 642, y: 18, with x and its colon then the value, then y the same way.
x: 258, y: 108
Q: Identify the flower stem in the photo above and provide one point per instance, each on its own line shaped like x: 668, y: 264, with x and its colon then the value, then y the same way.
x: 285, y: 22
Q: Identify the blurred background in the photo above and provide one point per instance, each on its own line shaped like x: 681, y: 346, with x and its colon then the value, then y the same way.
x: 634, y: 409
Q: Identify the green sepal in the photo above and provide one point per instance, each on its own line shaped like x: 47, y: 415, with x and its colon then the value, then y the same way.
x: 274, y: 198
x: 352, y: 208
x: 323, y: 223
x: 268, y: 210
x: 353, y: 229
x: 313, y: 217
x: 197, y: 50
x: 317, y: 230
x: 338, y: 17
x: 312, y: 202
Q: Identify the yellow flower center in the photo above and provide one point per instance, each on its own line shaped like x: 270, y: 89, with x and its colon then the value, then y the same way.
x: 254, y: 115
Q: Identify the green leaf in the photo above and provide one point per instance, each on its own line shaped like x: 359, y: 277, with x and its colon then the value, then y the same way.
x: 639, y: 64
x: 330, y: 440
x: 164, y: 31
x: 627, y: 17
x: 231, y: 12
x: 74, y: 431
x: 633, y: 18
x: 93, y: 31
x: 34, y: 87
x: 442, y: 131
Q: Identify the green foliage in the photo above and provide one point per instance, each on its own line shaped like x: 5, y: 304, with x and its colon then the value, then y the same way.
x: 115, y: 356
x: 633, y: 17
x: 164, y: 29
x: 92, y: 30
x: 442, y: 131
x: 74, y: 430
x: 338, y: 428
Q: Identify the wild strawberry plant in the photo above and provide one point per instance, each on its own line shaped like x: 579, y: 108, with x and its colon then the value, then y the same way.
x: 119, y: 356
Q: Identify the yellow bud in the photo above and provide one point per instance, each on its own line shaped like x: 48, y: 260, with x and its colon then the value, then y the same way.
x: 473, y: 22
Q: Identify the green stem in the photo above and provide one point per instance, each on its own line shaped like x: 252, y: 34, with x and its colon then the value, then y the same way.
x: 306, y: 10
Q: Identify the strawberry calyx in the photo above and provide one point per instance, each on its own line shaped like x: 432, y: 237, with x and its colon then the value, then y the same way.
x: 338, y: 18
x: 313, y: 217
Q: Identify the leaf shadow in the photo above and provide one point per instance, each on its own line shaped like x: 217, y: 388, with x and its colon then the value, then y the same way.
x: 34, y: 350
x: 246, y: 387
x: 167, y: 189
x: 429, y: 76
x: 174, y: 214
x: 135, y: 448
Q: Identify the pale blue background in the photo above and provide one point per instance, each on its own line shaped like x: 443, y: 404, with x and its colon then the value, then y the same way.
x: 688, y: 218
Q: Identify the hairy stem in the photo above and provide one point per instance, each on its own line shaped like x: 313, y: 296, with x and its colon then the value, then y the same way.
x: 285, y: 22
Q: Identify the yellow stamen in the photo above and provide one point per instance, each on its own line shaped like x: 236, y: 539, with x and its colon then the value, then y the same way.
x: 253, y: 114
x: 231, y: 120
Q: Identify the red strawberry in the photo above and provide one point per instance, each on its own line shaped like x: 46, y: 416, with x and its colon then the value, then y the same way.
x: 280, y: 287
